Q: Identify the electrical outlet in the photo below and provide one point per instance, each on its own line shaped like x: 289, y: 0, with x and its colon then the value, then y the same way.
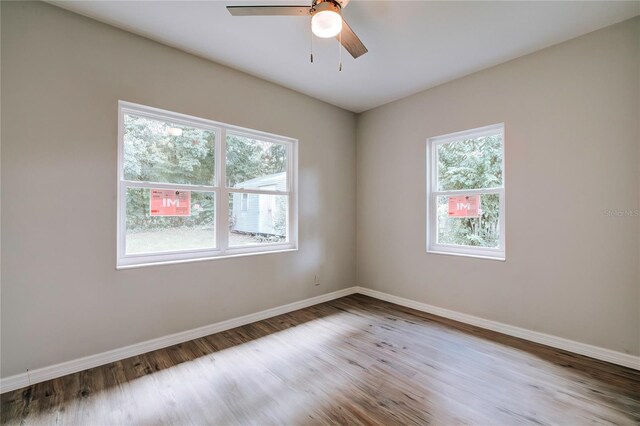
x: 316, y: 280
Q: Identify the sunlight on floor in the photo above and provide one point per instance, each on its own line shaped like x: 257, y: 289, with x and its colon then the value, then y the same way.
x: 224, y: 386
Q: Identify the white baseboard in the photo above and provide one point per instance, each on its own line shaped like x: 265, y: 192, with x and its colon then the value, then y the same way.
x: 51, y: 372
x: 596, y: 352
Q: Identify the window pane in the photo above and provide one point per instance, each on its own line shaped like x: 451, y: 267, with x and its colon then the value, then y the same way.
x: 161, y: 151
x: 153, y: 229
x: 255, y: 164
x: 471, y: 220
x: 470, y: 163
x: 264, y: 221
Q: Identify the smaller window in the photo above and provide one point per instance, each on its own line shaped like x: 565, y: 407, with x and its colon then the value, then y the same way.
x: 465, y: 193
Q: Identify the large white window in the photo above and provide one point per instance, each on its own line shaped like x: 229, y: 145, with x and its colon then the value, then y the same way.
x: 190, y: 188
x: 465, y: 193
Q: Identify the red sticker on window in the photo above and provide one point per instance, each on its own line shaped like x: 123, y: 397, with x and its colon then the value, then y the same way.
x: 169, y: 202
x: 465, y: 206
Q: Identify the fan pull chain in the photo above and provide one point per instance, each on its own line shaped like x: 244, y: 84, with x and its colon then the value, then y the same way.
x: 311, y: 32
x: 340, y: 52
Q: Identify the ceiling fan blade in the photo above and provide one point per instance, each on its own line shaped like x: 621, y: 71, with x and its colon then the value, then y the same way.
x: 351, y: 42
x: 268, y: 10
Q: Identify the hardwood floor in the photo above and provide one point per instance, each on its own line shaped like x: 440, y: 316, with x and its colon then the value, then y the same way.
x: 354, y: 360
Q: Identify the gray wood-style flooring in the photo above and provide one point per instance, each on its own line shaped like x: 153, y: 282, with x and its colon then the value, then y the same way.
x: 354, y: 360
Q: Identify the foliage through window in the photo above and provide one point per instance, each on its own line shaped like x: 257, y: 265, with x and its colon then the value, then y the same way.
x: 466, y: 193
x: 191, y: 188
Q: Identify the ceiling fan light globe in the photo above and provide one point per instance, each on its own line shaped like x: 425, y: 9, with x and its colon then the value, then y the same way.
x: 326, y: 24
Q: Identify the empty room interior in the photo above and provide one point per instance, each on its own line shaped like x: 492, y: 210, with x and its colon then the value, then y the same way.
x: 282, y: 212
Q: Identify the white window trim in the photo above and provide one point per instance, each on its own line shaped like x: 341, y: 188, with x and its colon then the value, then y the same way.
x: 432, y: 245
x: 219, y: 188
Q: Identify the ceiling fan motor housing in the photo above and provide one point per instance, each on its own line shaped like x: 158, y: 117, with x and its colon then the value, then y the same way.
x: 322, y: 5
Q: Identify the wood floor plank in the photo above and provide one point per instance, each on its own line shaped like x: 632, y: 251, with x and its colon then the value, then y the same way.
x: 354, y: 360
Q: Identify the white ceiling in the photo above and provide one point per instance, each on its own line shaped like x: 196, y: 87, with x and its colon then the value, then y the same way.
x: 413, y: 45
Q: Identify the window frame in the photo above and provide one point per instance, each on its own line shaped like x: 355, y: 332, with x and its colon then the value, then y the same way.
x: 433, y: 193
x: 219, y: 188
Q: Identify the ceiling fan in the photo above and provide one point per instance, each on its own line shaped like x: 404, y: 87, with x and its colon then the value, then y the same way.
x: 326, y: 21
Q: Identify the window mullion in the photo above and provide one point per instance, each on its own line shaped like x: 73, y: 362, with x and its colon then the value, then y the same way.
x: 222, y: 222
x: 455, y: 192
x: 257, y: 191
x: 159, y: 185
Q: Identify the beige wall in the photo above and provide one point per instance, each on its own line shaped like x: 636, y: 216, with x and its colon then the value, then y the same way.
x: 571, y: 115
x: 62, y: 298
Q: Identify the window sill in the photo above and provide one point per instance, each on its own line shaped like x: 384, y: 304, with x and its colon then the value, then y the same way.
x: 475, y: 256
x: 201, y: 259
